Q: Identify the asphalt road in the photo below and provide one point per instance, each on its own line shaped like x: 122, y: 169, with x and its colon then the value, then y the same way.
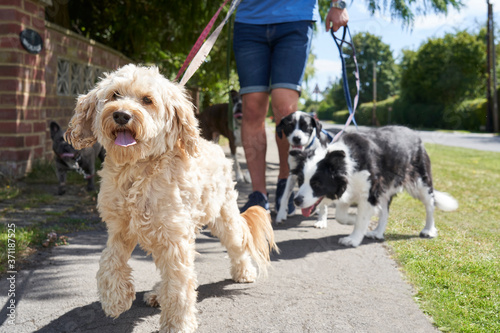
x: 314, y: 285
x: 479, y: 141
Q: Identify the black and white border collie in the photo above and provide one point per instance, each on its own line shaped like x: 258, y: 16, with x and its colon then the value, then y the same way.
x: 304, y: 133
x: 369, y: 169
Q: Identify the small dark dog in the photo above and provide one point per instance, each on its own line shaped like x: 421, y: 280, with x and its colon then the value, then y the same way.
x: 214, y: 121
x: 68, y: 158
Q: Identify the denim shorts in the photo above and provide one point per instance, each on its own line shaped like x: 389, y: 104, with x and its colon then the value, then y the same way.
x: 271, y: 56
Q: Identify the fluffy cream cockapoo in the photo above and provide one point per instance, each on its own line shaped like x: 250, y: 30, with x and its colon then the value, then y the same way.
x: 161, y: 182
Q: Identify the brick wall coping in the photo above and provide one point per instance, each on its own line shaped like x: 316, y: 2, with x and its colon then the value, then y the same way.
x: 92, y: 42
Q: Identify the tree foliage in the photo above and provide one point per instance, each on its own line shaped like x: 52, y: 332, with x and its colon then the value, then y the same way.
x: 445, y: 71
x: 163, y: 32
x: 155, y: 32
x: 437, y: 83
x: 369, y: 50
x: 403, y: 10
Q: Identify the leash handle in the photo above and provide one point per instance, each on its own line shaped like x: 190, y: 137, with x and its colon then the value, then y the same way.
x: 350, y: 105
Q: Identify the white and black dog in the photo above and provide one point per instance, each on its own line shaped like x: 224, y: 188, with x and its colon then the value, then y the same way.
x: 304, y: 133
x: 369, y: 169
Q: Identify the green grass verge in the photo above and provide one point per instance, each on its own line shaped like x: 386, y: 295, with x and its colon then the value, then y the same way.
x: 457, y: 274
x: 44, y: 172
x: 28, y: 239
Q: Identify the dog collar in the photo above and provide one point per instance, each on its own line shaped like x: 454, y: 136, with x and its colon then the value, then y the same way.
x: 330, y: 138
x: 312, y: 141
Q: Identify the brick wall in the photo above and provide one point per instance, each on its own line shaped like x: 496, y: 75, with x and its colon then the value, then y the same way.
x: 38, y: 88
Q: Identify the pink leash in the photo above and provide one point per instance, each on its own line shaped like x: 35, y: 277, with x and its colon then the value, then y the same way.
x: 200, y: 41
x: 202, y: 47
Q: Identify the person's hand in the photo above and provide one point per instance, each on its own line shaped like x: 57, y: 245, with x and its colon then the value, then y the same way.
x: 336, y: 18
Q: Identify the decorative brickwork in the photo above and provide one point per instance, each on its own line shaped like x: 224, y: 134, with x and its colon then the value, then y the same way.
x: 38, y: 88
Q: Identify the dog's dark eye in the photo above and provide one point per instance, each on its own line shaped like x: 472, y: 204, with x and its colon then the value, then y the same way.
x: 115, y: 96
x: 147, y: 100
x: 300, y: 178
x: 304, y: 126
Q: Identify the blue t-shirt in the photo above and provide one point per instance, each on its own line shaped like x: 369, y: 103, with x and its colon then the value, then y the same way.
x: 276, y: 11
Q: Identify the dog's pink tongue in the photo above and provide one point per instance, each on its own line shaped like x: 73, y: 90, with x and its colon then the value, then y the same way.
x: 307, y: 211
x: 125, y: 139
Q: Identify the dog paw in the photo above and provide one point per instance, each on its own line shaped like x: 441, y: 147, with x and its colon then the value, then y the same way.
x: 114, y: 305
x: 374, y: 235
x: 426, y: 233
x: 61, y: 190
x: 240, y: 179
x: 281, y: 216
x: 346, y: 221
x: 151, y: 299
x: 117, y: 300
x: 245, y: 274
x: 349, y: 241
x: 321, y: 224
x: 247, y: 177
x: 188, y: 324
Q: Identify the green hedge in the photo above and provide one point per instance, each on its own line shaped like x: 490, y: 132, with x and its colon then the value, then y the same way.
x: 364, y: 113
x: 469, y: 115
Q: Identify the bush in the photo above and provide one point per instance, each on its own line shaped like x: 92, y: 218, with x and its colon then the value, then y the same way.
x: 325, y: 112
x: 340, y: 117
x: 363, y: 113
x: 383, y: 108
x: 418, y: 115
x: 469, y: 115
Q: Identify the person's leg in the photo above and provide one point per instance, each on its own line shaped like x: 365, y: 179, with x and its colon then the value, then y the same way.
x: 253, y: 61
x: 284, y: 102
x: 253, y: 137
x: 291, y: 45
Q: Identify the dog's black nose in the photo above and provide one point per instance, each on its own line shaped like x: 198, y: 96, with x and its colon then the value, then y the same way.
x: 121, y: 117
x: 296, y: 140
x: 298, y: 200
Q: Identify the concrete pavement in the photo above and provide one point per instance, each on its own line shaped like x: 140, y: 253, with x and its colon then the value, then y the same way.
x: 314, y: 285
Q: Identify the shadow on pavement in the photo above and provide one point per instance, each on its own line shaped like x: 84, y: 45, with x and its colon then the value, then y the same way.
x: 218, y: 289
x: 91, y: 318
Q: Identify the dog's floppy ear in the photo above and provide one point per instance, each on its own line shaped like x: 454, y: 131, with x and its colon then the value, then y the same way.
x: 189, y: 133
x: 281, y: 127
x: 317, y: 125
x: 335, y: 160
x: 336, y: 163
x: 80, y: 132
x: 333, y: 157
x: 54, y: 128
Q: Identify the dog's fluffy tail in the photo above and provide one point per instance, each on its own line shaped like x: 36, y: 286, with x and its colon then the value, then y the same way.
x: 259, y: 242
x: 444, y: 201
